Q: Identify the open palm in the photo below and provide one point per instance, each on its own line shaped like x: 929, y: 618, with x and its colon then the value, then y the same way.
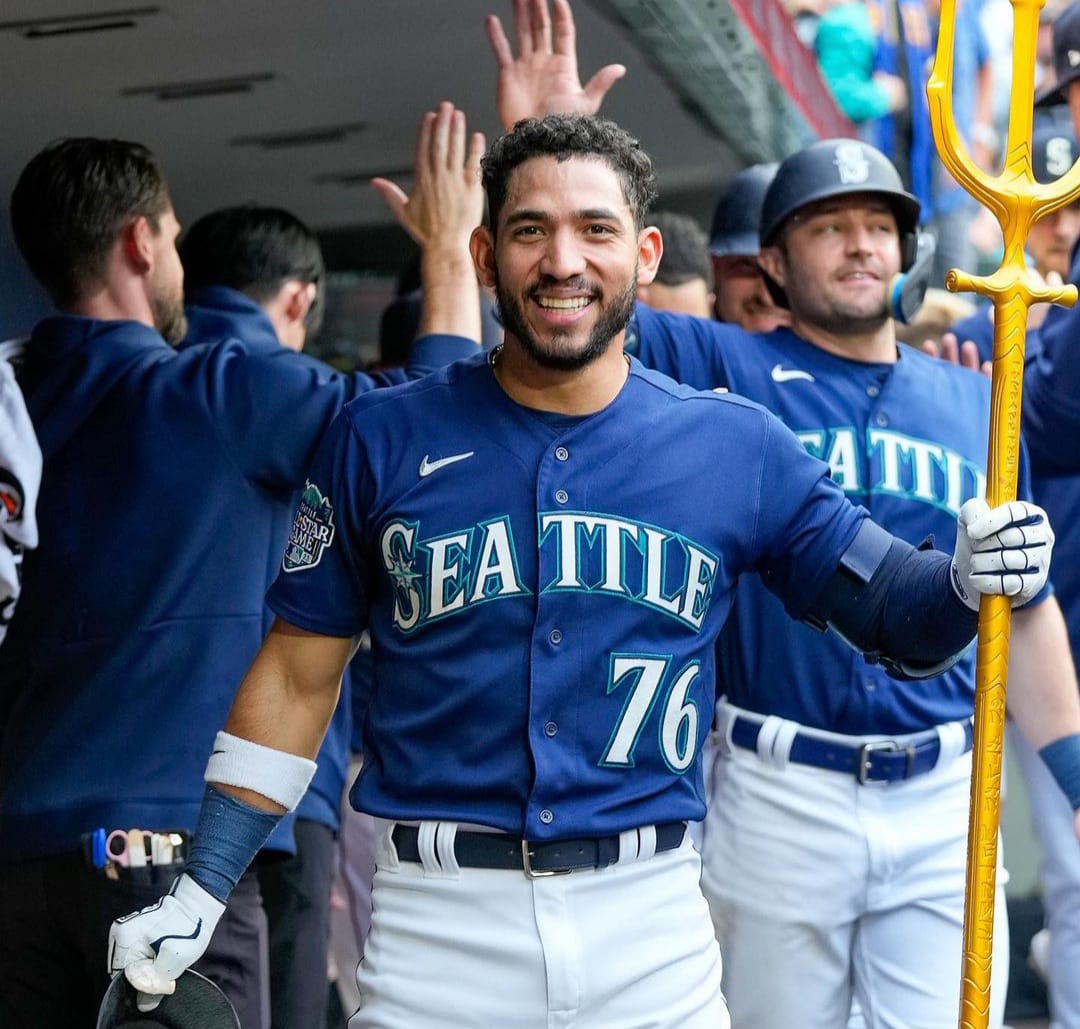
x: 543, y: 78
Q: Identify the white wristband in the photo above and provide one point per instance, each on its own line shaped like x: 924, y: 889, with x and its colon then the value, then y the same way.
x: 277, y: 775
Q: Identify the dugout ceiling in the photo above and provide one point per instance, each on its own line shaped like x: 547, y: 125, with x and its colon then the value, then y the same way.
x: 299, y: 103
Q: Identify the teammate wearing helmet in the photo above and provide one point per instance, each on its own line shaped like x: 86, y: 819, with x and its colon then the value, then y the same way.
x: 836, y: 832
x: 741, y: 296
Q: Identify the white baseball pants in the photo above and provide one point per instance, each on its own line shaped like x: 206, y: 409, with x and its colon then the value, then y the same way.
x: 822, y: 889
x: 630, y: 946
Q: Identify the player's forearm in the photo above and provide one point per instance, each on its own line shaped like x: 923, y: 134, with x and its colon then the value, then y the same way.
x: 287, y: 698
x: 451, y: 294
x: 1043, y: 697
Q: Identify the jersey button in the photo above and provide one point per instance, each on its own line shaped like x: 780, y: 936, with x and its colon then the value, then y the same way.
x: 555, y: 636
x: 873, y: 391
x: 561, y: 496
x: 550, y: 728
x: 881, y: 418
x: 562, y: 454
x: 547, y: 816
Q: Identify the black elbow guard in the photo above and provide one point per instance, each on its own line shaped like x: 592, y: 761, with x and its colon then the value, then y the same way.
x: 879, y: 576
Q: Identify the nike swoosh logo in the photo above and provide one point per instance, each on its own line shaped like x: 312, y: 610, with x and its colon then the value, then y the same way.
x: 427, y: 467
x: 780, y: 374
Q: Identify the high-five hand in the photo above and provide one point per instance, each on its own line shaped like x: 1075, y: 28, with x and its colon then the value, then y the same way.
x: 543, y: 78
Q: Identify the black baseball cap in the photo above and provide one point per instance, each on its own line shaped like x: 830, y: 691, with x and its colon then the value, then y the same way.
x: 1066, y: 56
x: 196, y: 1004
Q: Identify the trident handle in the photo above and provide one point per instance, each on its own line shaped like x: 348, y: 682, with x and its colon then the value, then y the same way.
x: 1017, y: 201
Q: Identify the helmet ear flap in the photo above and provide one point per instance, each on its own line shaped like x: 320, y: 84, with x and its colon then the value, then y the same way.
x: 776, y: 291
x: 909, y: 249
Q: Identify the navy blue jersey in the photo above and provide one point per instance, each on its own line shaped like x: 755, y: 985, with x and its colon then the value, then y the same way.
x: 907, y: 441
x: 544, y: 594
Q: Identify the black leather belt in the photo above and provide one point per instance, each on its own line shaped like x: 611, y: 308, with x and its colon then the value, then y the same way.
x: 498, y: 850
x: 873, y: 761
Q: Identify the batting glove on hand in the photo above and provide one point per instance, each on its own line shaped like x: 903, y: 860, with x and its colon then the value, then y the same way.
x: 155, y: 945
x: 1004, y: 550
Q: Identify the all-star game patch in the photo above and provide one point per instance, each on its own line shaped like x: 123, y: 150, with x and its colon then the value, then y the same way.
x: 312, y: 531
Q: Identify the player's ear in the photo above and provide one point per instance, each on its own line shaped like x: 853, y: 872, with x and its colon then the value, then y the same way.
x: 772, y: 261
x: 650, y: 250
x: 137, y: 244
x: 482, y: 248
x: 297, y: 299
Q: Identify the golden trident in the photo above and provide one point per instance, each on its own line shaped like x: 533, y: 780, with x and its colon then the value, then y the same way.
x: 1017, y: 201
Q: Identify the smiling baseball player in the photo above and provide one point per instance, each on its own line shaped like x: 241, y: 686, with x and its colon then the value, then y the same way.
x: 545, y: 555
x: 836, y: 831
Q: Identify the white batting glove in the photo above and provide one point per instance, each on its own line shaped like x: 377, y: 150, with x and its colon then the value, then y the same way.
x: 155, y: 945
x: 1004, y: 550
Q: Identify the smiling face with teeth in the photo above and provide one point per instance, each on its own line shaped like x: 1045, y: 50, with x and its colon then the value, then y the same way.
x: 835, y: 260
x: 565, y: 260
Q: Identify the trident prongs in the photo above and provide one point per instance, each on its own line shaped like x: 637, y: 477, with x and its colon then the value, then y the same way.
x: 1018, y: 202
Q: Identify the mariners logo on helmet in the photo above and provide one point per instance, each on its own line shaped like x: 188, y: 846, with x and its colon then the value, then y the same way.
x: 852, y: 164
x: 832, y: 168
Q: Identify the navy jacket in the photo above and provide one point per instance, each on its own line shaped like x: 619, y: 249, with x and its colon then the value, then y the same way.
x: 218, y: 313
x: 166, y: 478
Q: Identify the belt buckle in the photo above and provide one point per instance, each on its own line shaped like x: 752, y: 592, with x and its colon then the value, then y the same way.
x: 862, y: 768
x: 532, y: 873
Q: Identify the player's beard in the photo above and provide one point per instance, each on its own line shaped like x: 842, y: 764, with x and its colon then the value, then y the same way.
x: 833, y: 314
x: 613, y: 319
x: 169, y: 317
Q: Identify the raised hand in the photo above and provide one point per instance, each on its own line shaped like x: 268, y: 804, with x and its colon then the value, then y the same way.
x: 952, y: 351
x: 446, y: 201
x: 543, y: 78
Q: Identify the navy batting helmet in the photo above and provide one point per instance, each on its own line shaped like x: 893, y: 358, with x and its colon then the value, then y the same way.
x: 737, y: 217
x: 196, y: 1004
x: 834, y: 167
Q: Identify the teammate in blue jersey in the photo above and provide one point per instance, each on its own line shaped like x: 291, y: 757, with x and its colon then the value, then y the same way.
x: 166, y: 476
x: 819, y: 881
x: 545, y: 555
x: 256, y: 275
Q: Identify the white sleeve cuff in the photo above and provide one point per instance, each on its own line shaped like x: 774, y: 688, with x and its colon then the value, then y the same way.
x: 275, y: 774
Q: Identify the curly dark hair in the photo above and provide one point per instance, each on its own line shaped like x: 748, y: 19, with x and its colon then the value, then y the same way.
x: 563, y: 136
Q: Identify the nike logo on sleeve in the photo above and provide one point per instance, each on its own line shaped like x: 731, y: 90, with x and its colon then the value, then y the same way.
x: 781, y: 374
x: 427, y: 467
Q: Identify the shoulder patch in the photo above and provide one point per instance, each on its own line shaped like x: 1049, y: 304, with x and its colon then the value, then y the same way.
x: 312, y: 531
